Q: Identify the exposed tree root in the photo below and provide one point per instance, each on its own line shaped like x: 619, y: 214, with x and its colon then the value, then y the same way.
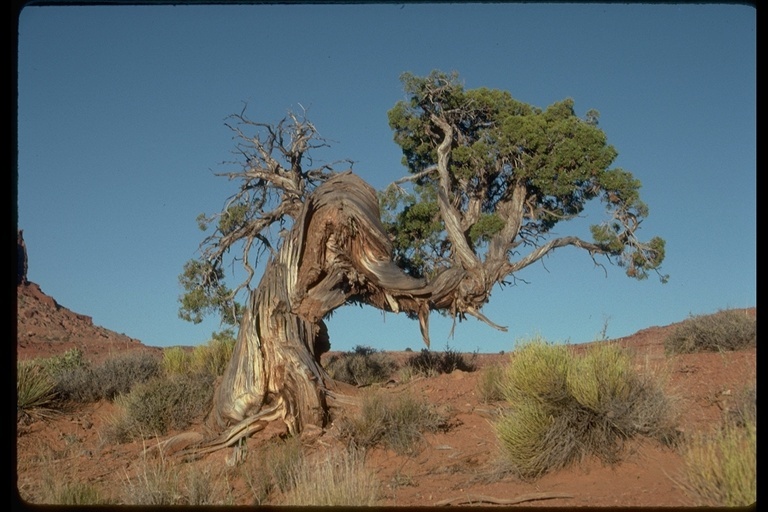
x: 480, y: 498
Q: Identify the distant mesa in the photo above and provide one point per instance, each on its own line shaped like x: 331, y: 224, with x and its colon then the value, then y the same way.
x: 21, y: 259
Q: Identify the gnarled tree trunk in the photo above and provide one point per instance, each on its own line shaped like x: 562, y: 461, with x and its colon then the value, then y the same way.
x: 337, y: 251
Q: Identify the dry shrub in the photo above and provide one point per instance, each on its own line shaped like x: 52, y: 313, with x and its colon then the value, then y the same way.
x: 116, y: 375
x: 397, y: 423
x: 725, y: 330
x: 336, y: 479
x: 562, y: 407
x: 361, y: 367
x: 156, y: 406
x: 429, y: 363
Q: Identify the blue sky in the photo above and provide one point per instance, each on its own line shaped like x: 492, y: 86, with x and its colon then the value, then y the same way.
x: 121, y: 125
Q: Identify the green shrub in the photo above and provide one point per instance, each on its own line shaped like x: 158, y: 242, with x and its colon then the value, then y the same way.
x: 338, y: 479
x: 564, y: 406
x: 160, y: 404
x: 724, y: 330
x: 396, y: 422
x: 430, y: 363
x: 35, y: 390
x: 361, y: 367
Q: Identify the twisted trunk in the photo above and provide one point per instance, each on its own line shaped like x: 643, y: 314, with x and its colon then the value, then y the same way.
x: 337, y: 251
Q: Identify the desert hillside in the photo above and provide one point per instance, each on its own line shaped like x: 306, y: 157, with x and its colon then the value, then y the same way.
x: 454, y: 465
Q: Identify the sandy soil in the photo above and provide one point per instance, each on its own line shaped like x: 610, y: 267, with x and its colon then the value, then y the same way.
x: 457, y: 466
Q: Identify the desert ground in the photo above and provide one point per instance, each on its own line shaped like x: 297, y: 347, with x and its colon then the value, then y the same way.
x: 455, y: 466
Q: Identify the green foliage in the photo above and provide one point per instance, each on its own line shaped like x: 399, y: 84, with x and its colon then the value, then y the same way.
x: 161, y: 404
x: 397, y: 423
x: 564, y: 406
x: 205, y: 293
x: 362, y: 367
x: 724, y: 330
x: 35, y: 390
x: 500, y: 144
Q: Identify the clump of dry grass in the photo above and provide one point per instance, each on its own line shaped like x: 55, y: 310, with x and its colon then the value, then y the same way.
x: 334, y: 479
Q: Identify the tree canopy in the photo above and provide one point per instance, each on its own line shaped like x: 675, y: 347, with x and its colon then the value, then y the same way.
x: 492, y: 177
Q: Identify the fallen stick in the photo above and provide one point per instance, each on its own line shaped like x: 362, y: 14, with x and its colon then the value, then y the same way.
x: 479, y: 498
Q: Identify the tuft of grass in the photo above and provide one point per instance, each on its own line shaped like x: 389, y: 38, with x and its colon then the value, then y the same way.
x: 214, y: 357
x: 430, y: 363
x: 272, y: 467
x: 722, y: 331
x: 176, y: 361
x: 397, y: 424
x: 35, y: 390
x: 361, y: 367
x: 73, y: 493
x: 720, y: 469
x: 211, y: 358
x: 563, y: 406
x: 160, y: 404
x: 338, y: 479
x: 156, y: 483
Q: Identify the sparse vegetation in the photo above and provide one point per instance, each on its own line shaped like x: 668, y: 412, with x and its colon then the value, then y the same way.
x: 725, y: 330
x: 489, y: 385
x: 161, y: 404
x: 720, y: 468
x: 272, y: 468
x: 429, y: 363
x: 397, y: 423
x: 362, y: 367
x: 564, y: 406
x: 116, y: 375
x: 335, y: 479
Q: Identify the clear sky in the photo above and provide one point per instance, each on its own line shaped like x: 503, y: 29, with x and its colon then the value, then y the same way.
x: 121, y: 126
